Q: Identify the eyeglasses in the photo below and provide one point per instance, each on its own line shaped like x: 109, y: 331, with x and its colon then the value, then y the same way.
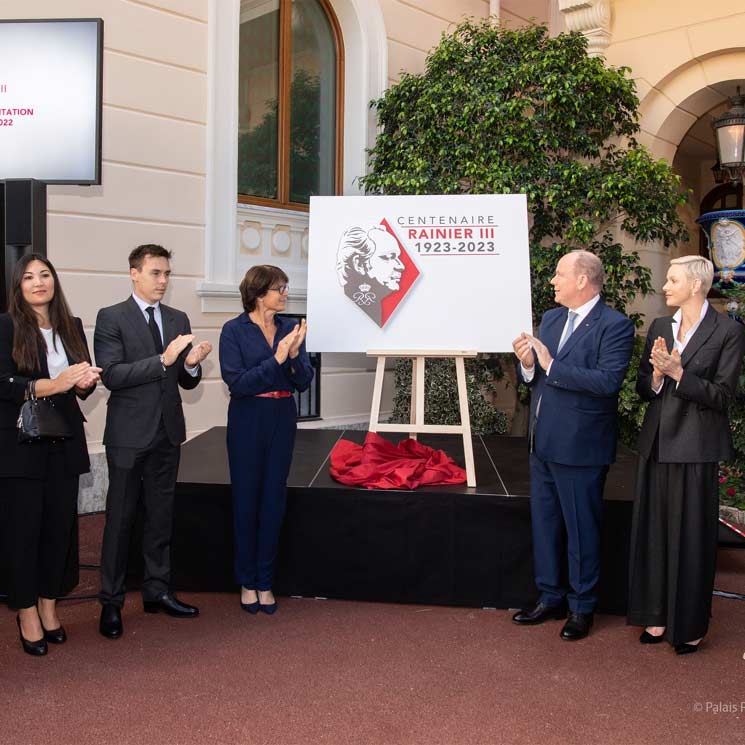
x: 282, y: 289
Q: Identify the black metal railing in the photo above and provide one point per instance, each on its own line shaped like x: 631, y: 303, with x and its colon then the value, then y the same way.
x: 309, y: 401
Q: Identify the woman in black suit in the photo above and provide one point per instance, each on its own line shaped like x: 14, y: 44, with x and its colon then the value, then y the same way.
x: 688, y: 373
x: 40, y: 340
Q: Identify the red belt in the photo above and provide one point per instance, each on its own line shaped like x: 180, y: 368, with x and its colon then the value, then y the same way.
x: 274, y: 394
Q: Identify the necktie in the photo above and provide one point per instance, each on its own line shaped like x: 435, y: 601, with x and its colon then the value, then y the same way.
x: 154, y: 330
x: 568, y: 330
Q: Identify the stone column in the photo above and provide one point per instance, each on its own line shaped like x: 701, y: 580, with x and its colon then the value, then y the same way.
x: 590, y: 17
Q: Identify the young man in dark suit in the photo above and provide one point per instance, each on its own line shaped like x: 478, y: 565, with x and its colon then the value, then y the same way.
x: 145, y: 351
x: 575, y: 367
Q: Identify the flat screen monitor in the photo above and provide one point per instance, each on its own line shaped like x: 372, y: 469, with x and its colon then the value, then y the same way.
x: 50, y: 100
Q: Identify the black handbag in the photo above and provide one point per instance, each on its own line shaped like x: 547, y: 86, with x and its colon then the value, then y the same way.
x: 40, y: 419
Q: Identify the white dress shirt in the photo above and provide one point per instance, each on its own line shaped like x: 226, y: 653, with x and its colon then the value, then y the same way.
x: 158, y: 316
x: 57, y: 361
x: 581, y: 313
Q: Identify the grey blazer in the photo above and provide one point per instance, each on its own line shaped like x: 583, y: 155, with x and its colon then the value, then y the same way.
x: 690, y: 421
x: 142, y: 391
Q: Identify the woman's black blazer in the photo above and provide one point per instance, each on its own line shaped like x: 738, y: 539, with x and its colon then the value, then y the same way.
x: 28, y: 460
x: 691, y: 419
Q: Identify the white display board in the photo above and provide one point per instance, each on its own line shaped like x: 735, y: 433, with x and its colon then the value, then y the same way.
x: 50, y: 100
x: 418, y: 272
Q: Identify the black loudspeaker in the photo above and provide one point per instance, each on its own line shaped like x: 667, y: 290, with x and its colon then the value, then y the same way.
x: 23, y: 225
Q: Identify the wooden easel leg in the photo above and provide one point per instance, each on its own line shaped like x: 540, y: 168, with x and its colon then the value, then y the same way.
x: 465, y: 420
x: 377, y: 394
x: 412, y: 407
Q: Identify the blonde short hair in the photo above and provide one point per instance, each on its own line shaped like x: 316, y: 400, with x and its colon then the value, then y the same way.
x: 697, y: 267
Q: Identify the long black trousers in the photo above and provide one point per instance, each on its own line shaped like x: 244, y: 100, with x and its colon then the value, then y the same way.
x: 674, y: 548
x: 40, y: 533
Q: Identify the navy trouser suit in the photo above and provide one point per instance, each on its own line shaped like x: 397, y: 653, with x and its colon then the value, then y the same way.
x: 573, y: 441
x: 261, y: 436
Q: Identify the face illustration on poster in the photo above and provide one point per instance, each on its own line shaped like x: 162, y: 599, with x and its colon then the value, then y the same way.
x: 407, y: 262
x: 369, y: 267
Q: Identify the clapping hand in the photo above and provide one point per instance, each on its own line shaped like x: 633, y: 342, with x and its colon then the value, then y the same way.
x: 90, y: 378
x: 541, y: 351
x: 299, y: 339
x: 664, y: 363
x: 174, y: 349
x: 657, y: 374
x: 285, y: 345
x: 198, y: 353
x: 81, y: 375
x: 524, y: 351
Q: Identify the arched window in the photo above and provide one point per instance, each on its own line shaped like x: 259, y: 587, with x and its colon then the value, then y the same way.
x: 289, y: 102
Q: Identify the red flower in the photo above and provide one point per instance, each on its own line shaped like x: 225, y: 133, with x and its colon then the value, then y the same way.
x: 731, y: 491
x: 722, y: 479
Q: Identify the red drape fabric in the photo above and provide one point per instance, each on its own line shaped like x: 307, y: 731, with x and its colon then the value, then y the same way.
x: 379, y: 464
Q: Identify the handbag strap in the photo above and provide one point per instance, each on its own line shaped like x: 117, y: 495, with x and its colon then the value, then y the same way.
x: 32, y: 390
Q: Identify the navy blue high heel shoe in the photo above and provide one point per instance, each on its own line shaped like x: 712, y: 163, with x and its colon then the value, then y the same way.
x: 252, y: 608
x: 268, y: 608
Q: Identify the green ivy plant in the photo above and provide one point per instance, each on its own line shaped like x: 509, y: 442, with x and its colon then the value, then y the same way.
x: 631, y: 408
x: 441, y: 395
x: 499, y: 111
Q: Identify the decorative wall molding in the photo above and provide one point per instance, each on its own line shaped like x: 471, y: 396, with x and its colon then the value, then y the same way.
x: 264, y: 235
x: 591, y: 18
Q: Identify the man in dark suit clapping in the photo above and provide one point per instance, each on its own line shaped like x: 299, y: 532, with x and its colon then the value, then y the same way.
x: 575, y: 367
x: 145, y: 350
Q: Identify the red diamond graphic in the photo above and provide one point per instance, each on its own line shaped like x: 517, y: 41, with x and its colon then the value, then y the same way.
x: 408, y: 277
x: 375, y: 270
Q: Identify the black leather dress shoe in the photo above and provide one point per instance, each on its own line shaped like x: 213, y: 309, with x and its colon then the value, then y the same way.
x: 36, y: 648
x: 684, y: 648
x: 539, y: 614
x: 577, y: 626
x: 170, y: 604
x: 110, y: 624
x: 55, y: 636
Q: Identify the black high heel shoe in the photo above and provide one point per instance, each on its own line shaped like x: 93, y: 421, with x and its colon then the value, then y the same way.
x: 55, y: 636
x: 684, y: 648
x: 647, y: 638
x: 36, y: 648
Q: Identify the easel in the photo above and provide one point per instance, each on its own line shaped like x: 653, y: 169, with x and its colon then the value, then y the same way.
x: 417, y: 425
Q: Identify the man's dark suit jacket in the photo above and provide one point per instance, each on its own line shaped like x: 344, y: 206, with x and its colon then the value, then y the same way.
x: 691, y: 418
x: 142, y: 392
x: 28, y: 460
x: 577, y: 424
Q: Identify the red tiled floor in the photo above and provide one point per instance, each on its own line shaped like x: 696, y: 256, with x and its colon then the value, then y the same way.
x: 344, y: 672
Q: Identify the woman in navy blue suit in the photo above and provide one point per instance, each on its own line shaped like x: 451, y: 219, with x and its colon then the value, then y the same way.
x: 263, y: 361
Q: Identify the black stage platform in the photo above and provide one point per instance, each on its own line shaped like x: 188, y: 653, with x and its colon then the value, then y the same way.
x: 447, y: 545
